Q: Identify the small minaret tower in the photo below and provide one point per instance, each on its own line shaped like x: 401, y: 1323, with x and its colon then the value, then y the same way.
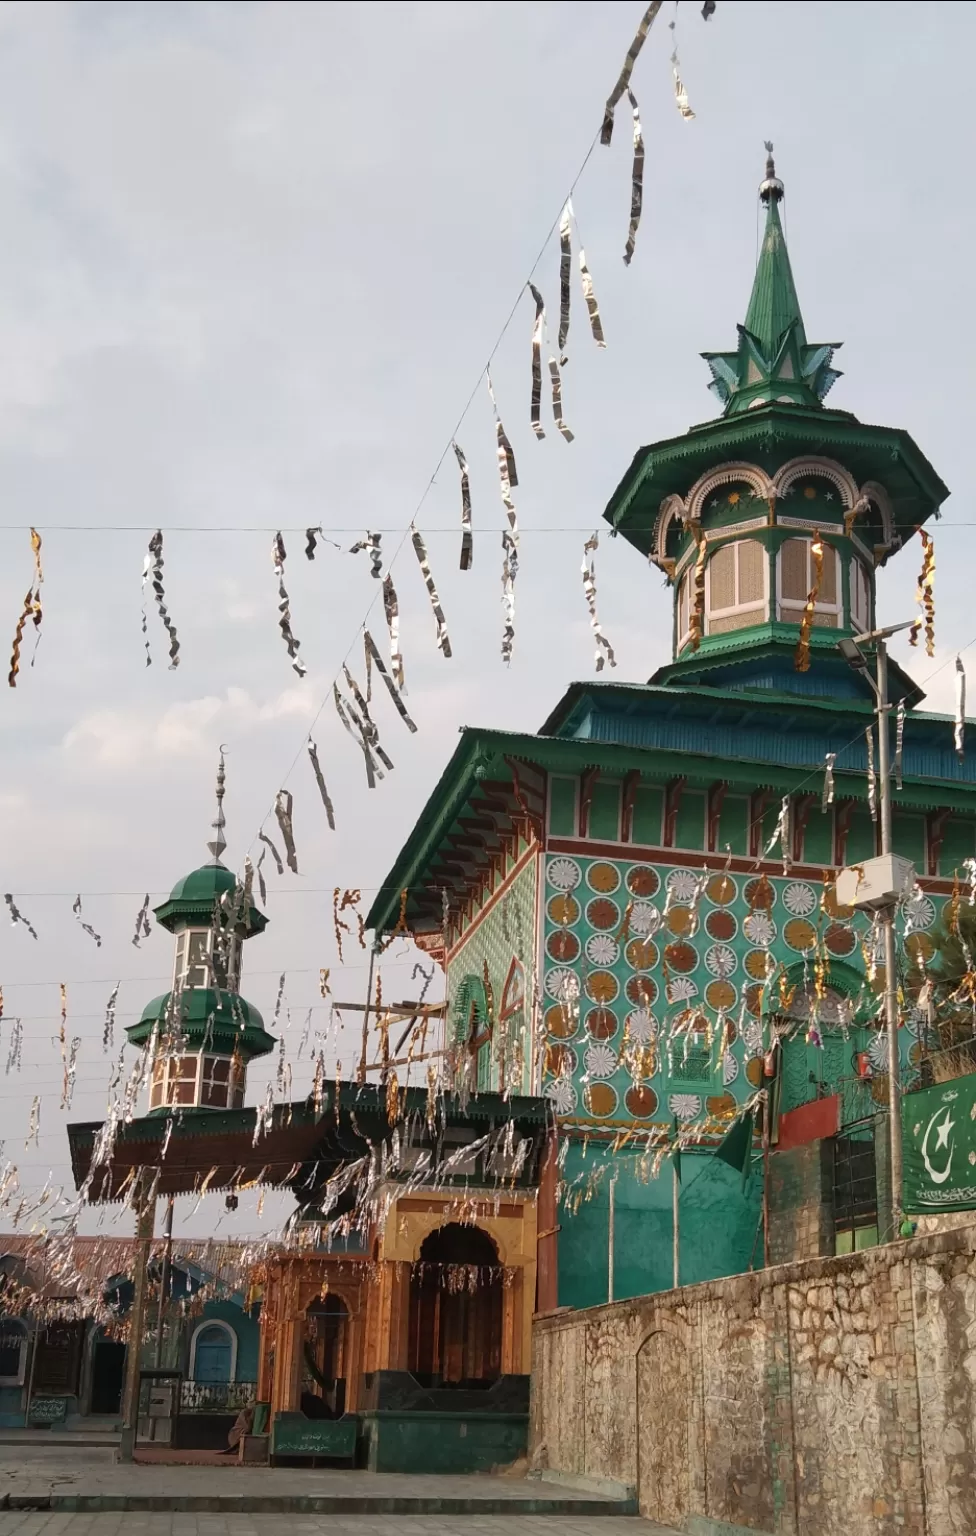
x: 206, y: 1032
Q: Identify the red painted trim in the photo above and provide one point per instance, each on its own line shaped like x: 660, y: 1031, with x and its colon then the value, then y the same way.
x: 473, y: 926
x: 811, y: 1122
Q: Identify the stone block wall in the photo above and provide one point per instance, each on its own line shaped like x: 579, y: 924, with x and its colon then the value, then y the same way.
x: 835, y: 1397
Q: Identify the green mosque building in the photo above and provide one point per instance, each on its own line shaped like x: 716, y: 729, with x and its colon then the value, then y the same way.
x: 628, y: 922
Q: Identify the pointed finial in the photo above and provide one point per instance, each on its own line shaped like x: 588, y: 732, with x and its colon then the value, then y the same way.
x: 219, y: 842
x: 771, y: 189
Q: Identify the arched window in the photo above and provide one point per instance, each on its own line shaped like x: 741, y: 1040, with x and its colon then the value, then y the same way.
x: 13, y: 1352
x: 796, y: 574
x: 456, y: 1309
x: 684, y: 607
x: 735, y: 587
x: 213, y: 1352
x: 860, y: 597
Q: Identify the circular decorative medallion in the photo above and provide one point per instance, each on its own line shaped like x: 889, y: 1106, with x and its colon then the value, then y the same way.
x: 722, y: 890
x: 601, y: 1023
x: 722, y: 1106
x: 560, y: 1060
x: 603, y: 877
x: 643, y: 880
x: 600, y: 1099
x: 681, y: 957
x: 563, y: 985
x: 642, y: 954
x: 754, y: 1071
x: 642, y: 991
x: 682, y: 885
x: 681, y: 921
x: 564, y: 910
x: 730, y: 1069
x: 878, y: 1052
x: 759, y: 929
x: 920, y: 948
x: 641, y: 1101
x: 561, y: 1021
x: 600, y: 1060
x: 760, y: 894
x: 684, y: 1106
x: 720, y: 960
x: 754, y: 1000
x: 840, y: 940
x: 601, y: 949
x: 759, y: 964
x: 645, y: 919
x: 919, y: 911
x: 562, y: 1095
x: 681, y: 989
x: 563, y: 946
x: 641, y: 1026
x: 720, y: 994
x: 563, y: 874
x: 603, y: 913
x: 602, y: 987
x: 831, y: 905
x: 800, y: 934
x: 721, y: 925
x: 800, y: 899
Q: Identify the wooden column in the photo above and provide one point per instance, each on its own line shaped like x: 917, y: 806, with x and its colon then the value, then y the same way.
x: 547, y: 1242
x: 145, y: 1224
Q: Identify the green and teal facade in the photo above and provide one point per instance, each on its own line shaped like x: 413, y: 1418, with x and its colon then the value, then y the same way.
x: 635, y: 907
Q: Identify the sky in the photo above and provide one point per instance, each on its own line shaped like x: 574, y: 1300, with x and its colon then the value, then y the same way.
x: 254, y: 259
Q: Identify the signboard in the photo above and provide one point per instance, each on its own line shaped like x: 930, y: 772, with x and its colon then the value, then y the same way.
x: 939, y: 1142
x: 48, y: 1410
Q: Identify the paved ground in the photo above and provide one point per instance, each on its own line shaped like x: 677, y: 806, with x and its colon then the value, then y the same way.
x: 132, y: 1524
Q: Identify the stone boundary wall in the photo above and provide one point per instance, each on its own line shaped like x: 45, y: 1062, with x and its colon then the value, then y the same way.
x: 835, y: 1397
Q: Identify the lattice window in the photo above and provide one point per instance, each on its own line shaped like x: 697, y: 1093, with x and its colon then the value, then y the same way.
x: 860, y: 597
x: 735, y: 580
x: 795, y: 582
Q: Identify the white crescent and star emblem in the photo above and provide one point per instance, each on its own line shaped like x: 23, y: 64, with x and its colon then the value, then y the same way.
x: 942, y: 1144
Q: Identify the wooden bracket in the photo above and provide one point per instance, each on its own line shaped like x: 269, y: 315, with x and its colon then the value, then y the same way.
x: 935, y: 824
x: 673, y: 791
x: 802, y: 810
x: 716, y: 796
x: 588, y: 780
x: 628, y: 799
x: 843, y: 812
x: 758, y: 806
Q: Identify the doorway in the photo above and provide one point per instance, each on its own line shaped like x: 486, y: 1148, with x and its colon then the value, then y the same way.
x: 456, y: 1306
x: 324, y: 1362
x: 107, y: 1376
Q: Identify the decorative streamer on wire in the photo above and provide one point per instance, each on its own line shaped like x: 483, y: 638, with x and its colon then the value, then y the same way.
x: 372, y: 543
x: 347, y: 715
x: 367, y: 725
x: 312, y: 535
x: 508, y: 479
x: 70, y: 1072
x: 76, y: 909
x: 34, y: 1126
x: 373, y: 658
x: 623, y: 79
x: 154, y: 569
x: 420, y: 549
x: 604, y: 650
x: 557, y: 402
x: 828, y: 786
x: 313, y: 757
x: 925, y: 596
x: 16, y: 916
x: 467, y: 537
x: 696, y: 619
x: 278, y: 557
x: 801, y: 656
x: 680, y: 94
x: 108, y: 1029
x: 279, y: 866
x: 535, y: 405
x: 899, y: 741
x: 959, y: 734
x: 143, y: 925
x: 636, y: 182
x: 391, y: 608
x: 781, y: 834
x: 708, y: 9
x: 31, y: 610
x: 872, y: 776
x: 565, y: 277
x: 16, y: 1048
x: 283, y: 814
x: 262, y: 887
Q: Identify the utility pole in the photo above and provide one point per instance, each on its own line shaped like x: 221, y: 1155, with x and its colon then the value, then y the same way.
x: 145, y: 1206
x: 888, y: 929
x: 164, y: 1280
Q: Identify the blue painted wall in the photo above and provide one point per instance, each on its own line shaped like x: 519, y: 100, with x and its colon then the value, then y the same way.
x: 246, y: 1327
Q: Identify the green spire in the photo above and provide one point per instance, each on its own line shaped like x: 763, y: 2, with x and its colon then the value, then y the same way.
x: 774, y: 361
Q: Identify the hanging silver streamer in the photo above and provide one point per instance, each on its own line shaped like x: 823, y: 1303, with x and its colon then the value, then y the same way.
x: 373, y: 657
x: 274, y: 853
x: 872, y: 776
x: 143, y: 926
x: 347, y: 714
x: 899, y: 741
x: 623, y: 79
x: 283, y: 813
x: 391, y: 608
x: 278, y: 556
x: 262, y: 887
x: 34, y: 1126
x: 508, y: 479
x: 146, y: 574
x: 367, y: 725
x: 16, y: 916
x: 557, y: 401
x: 372, y: 543
x: 15, y: 1050
x: 959, y: 735
x: 313, y: 756
x: 420, y: 550
x: 636, y: 183
x: 467, y: 537
x: 278, y: 999
x: 156, y: 569
x: 108, y: 1028
x: 312, y: 535
x: 828, y: 785
x: 535, y: 405
x: 565, y: 277
x: 604, y: 650
x: 76, y: 909
x: 781, y: 834
x: 70, y: 1070
x: 708, y: 9
x: 680, y: 94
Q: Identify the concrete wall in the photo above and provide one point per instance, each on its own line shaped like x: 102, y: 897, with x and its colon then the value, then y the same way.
x: 830, y: 1398
x: 801, y: 1216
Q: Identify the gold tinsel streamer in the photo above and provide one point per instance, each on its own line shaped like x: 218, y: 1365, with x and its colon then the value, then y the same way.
x: 696, y: 622
x: 31, y: 610
x: 801, y: 656
x: 925, y: 596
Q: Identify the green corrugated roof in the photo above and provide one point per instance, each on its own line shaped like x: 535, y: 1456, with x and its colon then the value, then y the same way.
x: 774, y: 306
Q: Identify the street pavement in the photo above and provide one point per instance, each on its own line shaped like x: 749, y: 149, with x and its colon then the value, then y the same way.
x: 128, y: 1523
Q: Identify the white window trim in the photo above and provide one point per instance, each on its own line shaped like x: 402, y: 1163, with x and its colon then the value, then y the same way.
x: 859, y: 623
x: 789, y: 610
x: 18, y: 1379
x: 180, y: 962
x: 213, y: 1322
x: 761, y: 608
x: 168, y: 1062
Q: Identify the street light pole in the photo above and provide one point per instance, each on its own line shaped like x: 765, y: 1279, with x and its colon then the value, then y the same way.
x: 888, y: 929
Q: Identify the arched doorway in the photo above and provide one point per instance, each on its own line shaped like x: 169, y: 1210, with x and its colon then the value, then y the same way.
x: 213, y: 1353
x: 107, y: 1374
x: 456, y: 1309
x: 324, y: 1358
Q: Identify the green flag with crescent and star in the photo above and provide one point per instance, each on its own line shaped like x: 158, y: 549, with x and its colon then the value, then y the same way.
x: 939, y: 1142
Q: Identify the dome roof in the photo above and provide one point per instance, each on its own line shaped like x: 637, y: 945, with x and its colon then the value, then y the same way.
x: 219, y: 1019
x: 203, y: 884
x: 193, y: 898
